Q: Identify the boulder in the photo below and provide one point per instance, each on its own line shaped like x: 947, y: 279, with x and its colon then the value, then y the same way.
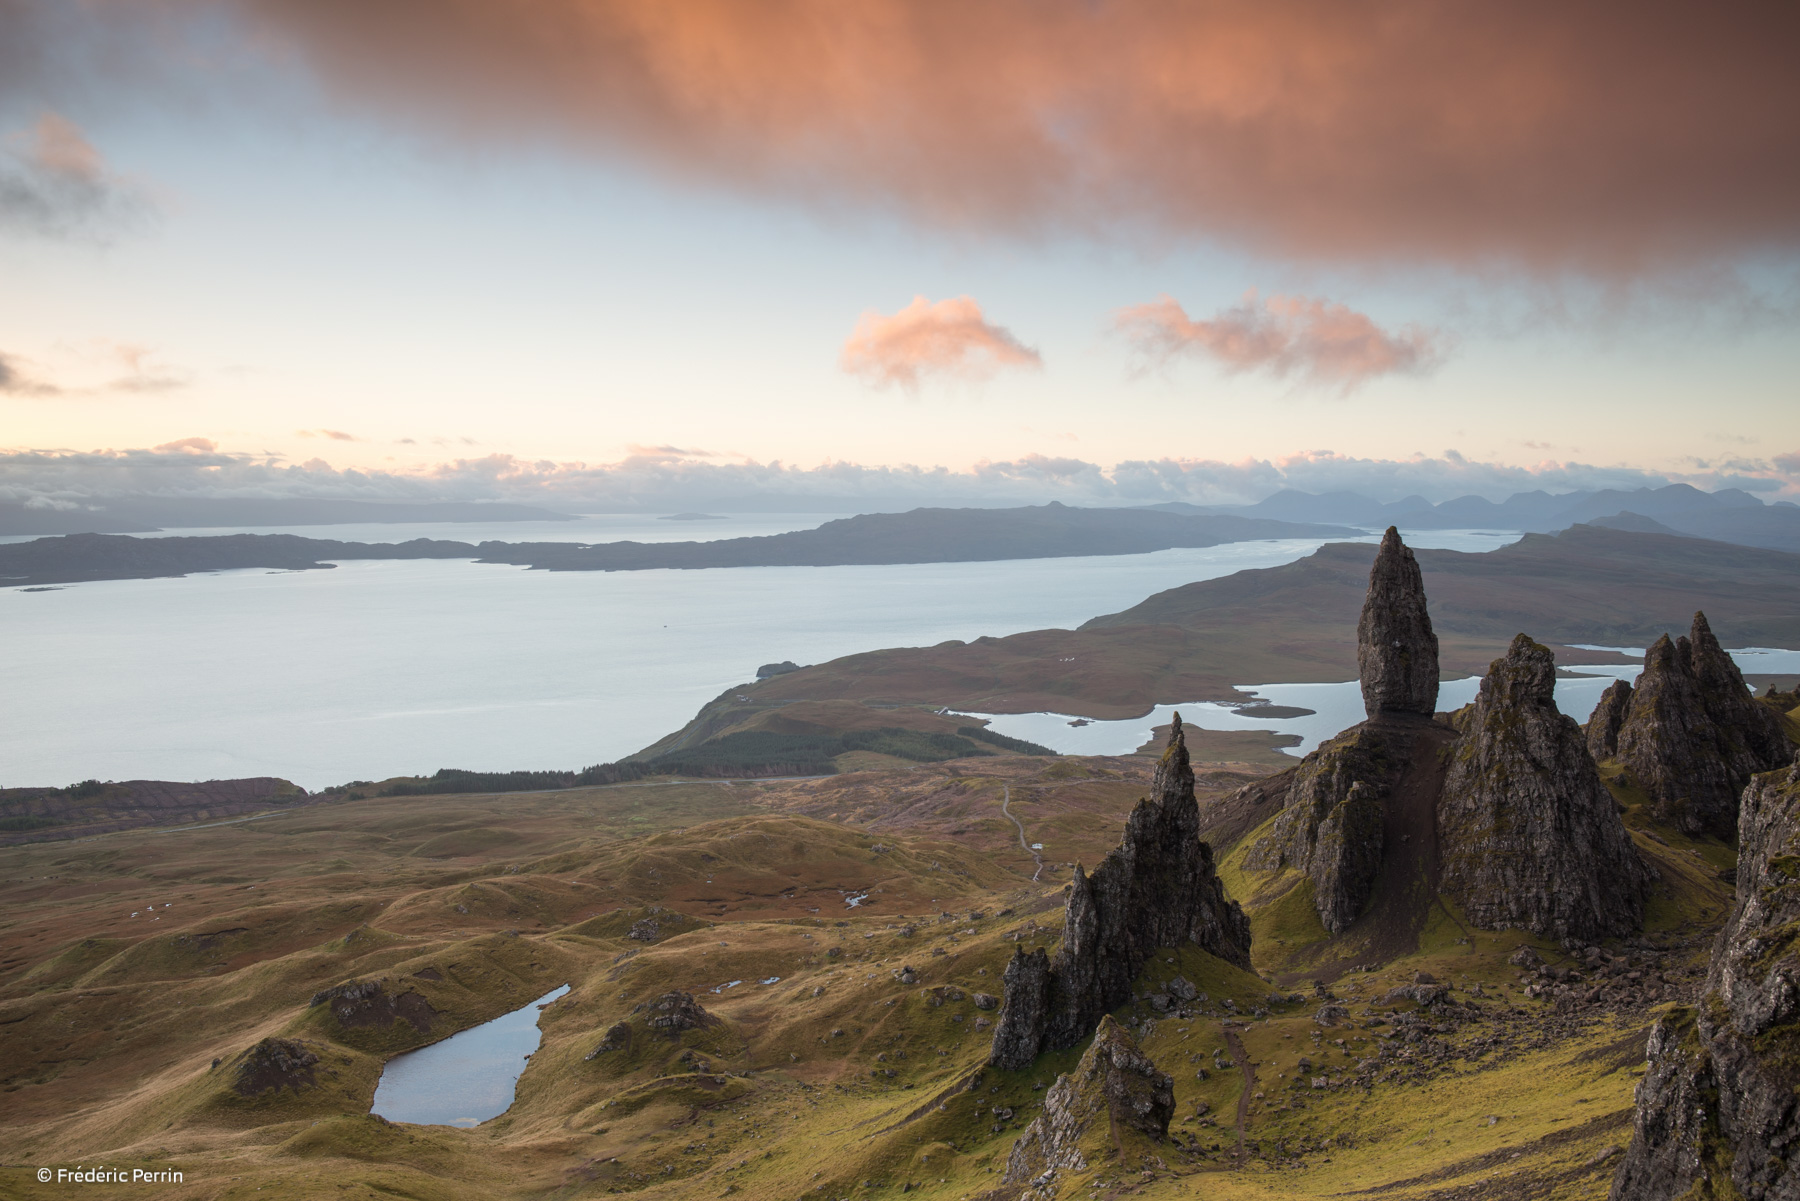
x: 1694, y: 735
x: 1158, y: 888
x: 1528, y: 835
x: 1396, y: 650
x: 1115, y: 1088
x: 1717, y: 1099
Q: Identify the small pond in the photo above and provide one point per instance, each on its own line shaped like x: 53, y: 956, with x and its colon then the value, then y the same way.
x: 466, y: 1079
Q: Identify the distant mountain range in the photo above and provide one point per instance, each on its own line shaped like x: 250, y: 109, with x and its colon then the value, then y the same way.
x: 1729, y: 515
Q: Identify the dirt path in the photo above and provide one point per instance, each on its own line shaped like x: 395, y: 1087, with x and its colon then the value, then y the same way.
x: 1242, y: 1059
x: 1005, y: 807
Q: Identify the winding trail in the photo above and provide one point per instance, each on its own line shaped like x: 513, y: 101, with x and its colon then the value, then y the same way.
x: 1005, y: 807
x: 1242, y: 1059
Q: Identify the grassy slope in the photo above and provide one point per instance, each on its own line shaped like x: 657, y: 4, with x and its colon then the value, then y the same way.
x: 109, y: 1024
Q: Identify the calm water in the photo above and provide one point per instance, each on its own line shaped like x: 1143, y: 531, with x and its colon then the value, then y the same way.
x: 376, y: 669
x: 1335, y: 707
x: 466, y: 1079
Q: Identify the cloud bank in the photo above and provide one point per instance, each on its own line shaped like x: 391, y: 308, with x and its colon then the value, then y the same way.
x: 662, y: 482
x: 1321, y: 342
x: 950, y: 339
x: 1606, y: 138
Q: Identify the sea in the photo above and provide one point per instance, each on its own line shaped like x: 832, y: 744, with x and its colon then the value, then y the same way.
x: 377, y: 669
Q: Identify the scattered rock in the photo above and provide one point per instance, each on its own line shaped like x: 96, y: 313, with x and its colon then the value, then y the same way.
x: 644, y: 930
x: 1718, y: 1097
x: 1159, y: 888
x: 985, y: 1000
x: 1396, y: 650
x: 1114, y: 1087
x: 1528, y: 835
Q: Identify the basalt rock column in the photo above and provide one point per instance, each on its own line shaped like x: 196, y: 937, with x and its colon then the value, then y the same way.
x: 1396, y: 650
x: 1718, y: 1098
x: 1528, y: 835
x: 1158, y: 888
x: 1694, y: 735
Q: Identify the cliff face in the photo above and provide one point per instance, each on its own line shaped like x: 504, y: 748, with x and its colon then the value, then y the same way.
x: 1396, y: 650
x: 1157, y: 889
x: 1603, y: 724
x: 1718, y: 1101
x: 1114, y: 1087
x: 1529, y: 837
x: 1693, y: 735
x: 1333, y: 825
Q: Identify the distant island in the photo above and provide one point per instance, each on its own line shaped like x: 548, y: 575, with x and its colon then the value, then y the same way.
x: 921, y: 536
x: 143, y: 515
x: 693, y: 517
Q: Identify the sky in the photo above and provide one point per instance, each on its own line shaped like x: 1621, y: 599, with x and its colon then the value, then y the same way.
x: 605, y: 252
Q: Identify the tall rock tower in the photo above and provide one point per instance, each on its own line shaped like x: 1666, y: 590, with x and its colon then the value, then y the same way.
x: 1158, y: 888
x: 1396, y: 650
x: 1692, y: 735
x: 1530, y: 837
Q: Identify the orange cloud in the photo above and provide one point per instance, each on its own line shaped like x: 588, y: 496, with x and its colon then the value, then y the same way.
x: 949, y: 338
x: 187, y: 446
x: 1322, y: 342
x: 1607, y: 137
x: 57, y: 183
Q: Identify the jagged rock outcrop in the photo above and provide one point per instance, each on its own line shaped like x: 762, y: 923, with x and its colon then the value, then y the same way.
x: 1396, y: 650
x: 274, y: 1063
x: 368, y: 1003
x: 1528, y: 835
x: 1718, y: 1101
x: 1332, y: 827
x: 1694, y: 735
x: 1603, y: 724
x: 1115, y: 1086
x: 1159, y: 888
x: 676, y: 1011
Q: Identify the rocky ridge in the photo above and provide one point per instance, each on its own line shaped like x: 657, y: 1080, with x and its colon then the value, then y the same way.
x: 1693, y: 734
x: 1716, y: 1110
x: 1158, y: 888
x: 1115, y: 1086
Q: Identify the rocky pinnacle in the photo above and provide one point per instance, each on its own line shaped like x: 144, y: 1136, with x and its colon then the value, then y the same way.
x: 1692, y: 735
x: 1528, y: 835
x: 1396, y: 651
x: 1158, y: 888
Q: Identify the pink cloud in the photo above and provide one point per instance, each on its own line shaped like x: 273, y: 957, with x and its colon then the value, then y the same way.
x: 1322, y: 342
x: 948, y: 338
x: 187, y: 446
